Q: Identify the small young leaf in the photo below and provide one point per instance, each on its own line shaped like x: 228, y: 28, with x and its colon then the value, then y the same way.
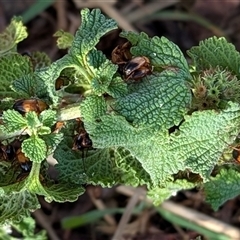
x: 32, y: 120
x: 48, y: 117
x: 13, y: 121
x: 103, y: 71
x: 12, y: 35
x: 225, y: 186
x: 35, y: 149
x: 64, y: 40
x: 214, y: 52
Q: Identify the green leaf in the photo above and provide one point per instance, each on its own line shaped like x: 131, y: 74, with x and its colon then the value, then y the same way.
x: 150, y: 147
x: 63, y: 192
x: 158, y: 101
x: 32, y: 120
x: 97, y: 105
x: 225, y: 186
x: 94, y: 166
x: 35, y: 149
x: 15, y: 205
x: 214, y: 52
x: 13, y: 67
x: 13, y: 121
x: 27, y: 228
x: 161, y: 52
x: 203, y: 137
x: 131, y: 171
x: 117, y: 88
x: 46, y: 77
x: 160, y: 194
x: 64, y: 40
x: 103, y: 71
x: 48, y: 117
x: 12, y: 35
x: 94, y: 26
x: 25, y: 85
x: 52, y: 140
x: 40, y: 60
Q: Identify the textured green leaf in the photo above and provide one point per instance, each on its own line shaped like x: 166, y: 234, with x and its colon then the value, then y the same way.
x: 13, y: 67
x: 64, y: 39
x: 151, y: 148
x: 93, y: 107
x: 67, y: 192
x: 161, y: 52
x: 103, y: 71
x: 159, y: 101
x: 43, y: 130
x: 48, y: 117
x: 45, y: 78
x: 214, y: 52
x: 52, y: 140
x: 12, y: 35
x: 225, y: 186
x: 94, y: 26
x: 134, y: 37
x: 35, y: 149
x: 13, y: 121
x: 117, y: 88
x: 25, y: 85
x: 203, y: 137
x: 27, y: 228
x: 160, y: 194
x: 131, y: 170
x: 40, y: 60
x: 33, y: 121
x: 92, y: 166
x: 15, y: 205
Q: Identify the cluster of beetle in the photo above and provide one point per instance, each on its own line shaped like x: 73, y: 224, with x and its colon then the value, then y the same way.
x: 130, y: 67
x: 13, y: 152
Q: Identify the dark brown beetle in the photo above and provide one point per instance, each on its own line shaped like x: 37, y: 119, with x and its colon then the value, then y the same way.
x: 137, y: 68
x: 82, y: 141
x: 121, y: 54
x: 26, y: 105
x: 23, y: 161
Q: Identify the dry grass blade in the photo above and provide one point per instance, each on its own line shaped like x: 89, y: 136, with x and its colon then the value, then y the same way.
x: 127, y: 214
x: 191, y: 215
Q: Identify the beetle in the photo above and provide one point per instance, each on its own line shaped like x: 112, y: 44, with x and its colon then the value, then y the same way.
x: 26, y: 105
x: 121, y: 54
x: 137, y: 68
x: 82, y: 141
x: 23, y: 161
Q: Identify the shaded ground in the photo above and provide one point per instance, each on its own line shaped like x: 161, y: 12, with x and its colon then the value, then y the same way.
x: 222, y: 19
